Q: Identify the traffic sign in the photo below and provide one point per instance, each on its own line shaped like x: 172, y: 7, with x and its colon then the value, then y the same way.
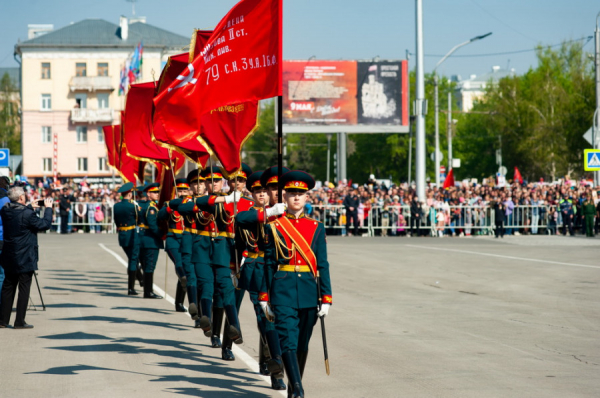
x: 591, y: 159
x: 4, y: 157
x: 442, y: 169
x: 502, y: 170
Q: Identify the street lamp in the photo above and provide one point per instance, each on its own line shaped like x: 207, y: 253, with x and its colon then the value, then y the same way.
x: 437, y: 106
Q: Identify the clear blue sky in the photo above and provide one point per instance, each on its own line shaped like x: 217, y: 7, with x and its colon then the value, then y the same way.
x: 348, y: 29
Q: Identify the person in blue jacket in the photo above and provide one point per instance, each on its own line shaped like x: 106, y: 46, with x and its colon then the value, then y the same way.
x: 4, y: 183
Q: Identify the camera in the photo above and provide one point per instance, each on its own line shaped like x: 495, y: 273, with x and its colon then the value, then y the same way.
x: 40, y: 202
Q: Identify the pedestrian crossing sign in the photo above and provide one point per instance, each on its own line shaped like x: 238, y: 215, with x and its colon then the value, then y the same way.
x: 591, y: 159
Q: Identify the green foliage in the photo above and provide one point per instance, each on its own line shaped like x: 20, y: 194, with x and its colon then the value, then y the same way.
x: 538, y: 119
x: 261, y: 148
x: 10, y: 120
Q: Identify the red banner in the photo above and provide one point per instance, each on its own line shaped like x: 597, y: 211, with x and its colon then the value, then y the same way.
x: 137, y: 125
x: 240, y: 62
x: 129, y: 168
x: 190, y: 147
x: 109, y: 141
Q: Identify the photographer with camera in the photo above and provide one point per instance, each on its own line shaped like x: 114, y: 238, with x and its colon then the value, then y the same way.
x: 19, y: 255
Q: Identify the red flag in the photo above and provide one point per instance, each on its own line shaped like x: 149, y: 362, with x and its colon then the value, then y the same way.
x: 518, y: 177
x: 226, y: 129
x: 137, y: 125
x: 129, y: 168
x: 188, y: 146
x: 240, y: 62
x: 109, y: 141
x: 449, y: 181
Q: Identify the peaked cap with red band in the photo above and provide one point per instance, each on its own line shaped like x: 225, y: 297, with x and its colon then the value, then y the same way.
x: 271, y: 174
x: 297, y: 180
x: 253, y: 181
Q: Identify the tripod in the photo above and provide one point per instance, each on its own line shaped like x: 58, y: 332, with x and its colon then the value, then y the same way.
x: 40, y: 292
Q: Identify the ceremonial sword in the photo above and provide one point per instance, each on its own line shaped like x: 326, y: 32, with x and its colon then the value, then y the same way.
x: 324, y: 335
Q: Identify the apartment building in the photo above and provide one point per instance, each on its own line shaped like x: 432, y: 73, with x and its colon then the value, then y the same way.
x: 70, y: 89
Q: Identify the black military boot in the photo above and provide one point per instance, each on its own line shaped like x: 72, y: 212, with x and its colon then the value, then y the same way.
x: 139, y: 275
x: 263, y: 357
x: 217, y: 321
x: 302, y: 356
x: 131, y: 284
x: 148, y: 283
x: 290, y: 361
x: 275, y: 363
x: 226, y: 353
x: 205, y: 325
x: 193, y: 302
x: 181, y: 276
x: 234, y: 332
x: 179, y: 297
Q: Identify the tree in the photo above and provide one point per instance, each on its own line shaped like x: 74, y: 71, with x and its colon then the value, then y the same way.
x: 10, y: 119
x: 537, y: 119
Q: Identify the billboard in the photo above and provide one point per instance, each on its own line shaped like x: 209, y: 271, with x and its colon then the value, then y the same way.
x: 345, y: 96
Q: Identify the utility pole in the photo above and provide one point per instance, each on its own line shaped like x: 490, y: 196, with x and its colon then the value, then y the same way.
x: 420, y: 104
x: 597, y: 118
x: 449, y: 131
x: 437, y: 107
x: 328, y: 155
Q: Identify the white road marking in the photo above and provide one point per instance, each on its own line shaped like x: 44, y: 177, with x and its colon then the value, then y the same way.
x: 507, y: 257
x: 250, y: 362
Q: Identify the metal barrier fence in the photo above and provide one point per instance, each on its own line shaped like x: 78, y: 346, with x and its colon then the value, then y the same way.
x: 83, y: 216
x: 374, y: 221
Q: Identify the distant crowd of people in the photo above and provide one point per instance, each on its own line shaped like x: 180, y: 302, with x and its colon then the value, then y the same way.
x: 352, y: 209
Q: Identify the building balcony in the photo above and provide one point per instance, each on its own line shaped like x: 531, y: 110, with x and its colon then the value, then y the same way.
x: 90, y: 83
x: 86, y: 115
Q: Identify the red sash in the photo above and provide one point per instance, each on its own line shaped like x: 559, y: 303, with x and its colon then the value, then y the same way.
x: 284, y: 225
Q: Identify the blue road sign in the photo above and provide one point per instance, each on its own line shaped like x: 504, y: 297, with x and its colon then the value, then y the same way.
x: 591, y: 157
x: 4, y: 157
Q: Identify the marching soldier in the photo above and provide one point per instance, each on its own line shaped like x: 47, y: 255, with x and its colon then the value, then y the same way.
x: 296, y: 271
x: 126, y: 218
x: 589, y: 211
x: 250, y: 230
x: 140, y: 198
x: 151, y: 238
x: 269, y: 181
x: 194, y: 245
x: 174, y: 245
x: 218, y: 272
x: 236, y: 183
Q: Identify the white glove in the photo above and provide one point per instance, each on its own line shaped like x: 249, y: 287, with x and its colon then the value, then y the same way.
x: 267, y: 310
x: 277, y: 210
x: 242, y: 263
x: 324, y: 310
x: 233, y: 197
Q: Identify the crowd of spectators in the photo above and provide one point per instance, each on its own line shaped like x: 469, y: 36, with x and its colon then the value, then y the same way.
x: 394, y: 210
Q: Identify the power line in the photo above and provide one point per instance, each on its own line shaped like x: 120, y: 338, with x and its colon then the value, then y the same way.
x: 502, y: 22
x: 508, y: 52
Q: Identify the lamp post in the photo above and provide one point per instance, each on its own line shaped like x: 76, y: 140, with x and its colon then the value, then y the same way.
x: 597, y: 115
x: 420, y: 104
x: 437, y: 106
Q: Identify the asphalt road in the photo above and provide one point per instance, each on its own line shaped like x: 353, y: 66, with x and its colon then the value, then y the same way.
x: 460, y: 317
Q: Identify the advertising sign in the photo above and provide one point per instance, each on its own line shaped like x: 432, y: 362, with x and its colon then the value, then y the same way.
x: 345, y: 96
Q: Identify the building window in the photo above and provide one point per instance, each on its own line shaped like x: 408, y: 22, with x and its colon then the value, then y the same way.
x: 45, y: 70
x: 102, y: 101
x: 100, y: 134
x: 82, y: 164
x: 46, y: 134
x: 46, y: 102
x: 102, y: 68
x: 102, y: 164
x: 81, y: 134
x: 80, y: 69
x: 47, y: 165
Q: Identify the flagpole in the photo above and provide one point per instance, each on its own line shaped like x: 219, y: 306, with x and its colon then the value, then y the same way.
x: 279, y: 145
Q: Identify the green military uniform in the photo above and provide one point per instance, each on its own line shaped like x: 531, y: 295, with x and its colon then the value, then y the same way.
x: 141, y: 201
x: 151, y: 240
x: 126, y: 218
x: 175, y: 248
x: 251, y: 231
x: 589, y: 212
x: 296, y: 252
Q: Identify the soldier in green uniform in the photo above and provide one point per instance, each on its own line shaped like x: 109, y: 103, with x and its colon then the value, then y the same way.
x: 151, y: 239
x: 126, y: 218
x: 217, y: 272
x: 251, y: 231
x: 174, y: 245
x: 589, y: 211
x: 140, y: 198
x: 269, y: 180
x: 296, y: 271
